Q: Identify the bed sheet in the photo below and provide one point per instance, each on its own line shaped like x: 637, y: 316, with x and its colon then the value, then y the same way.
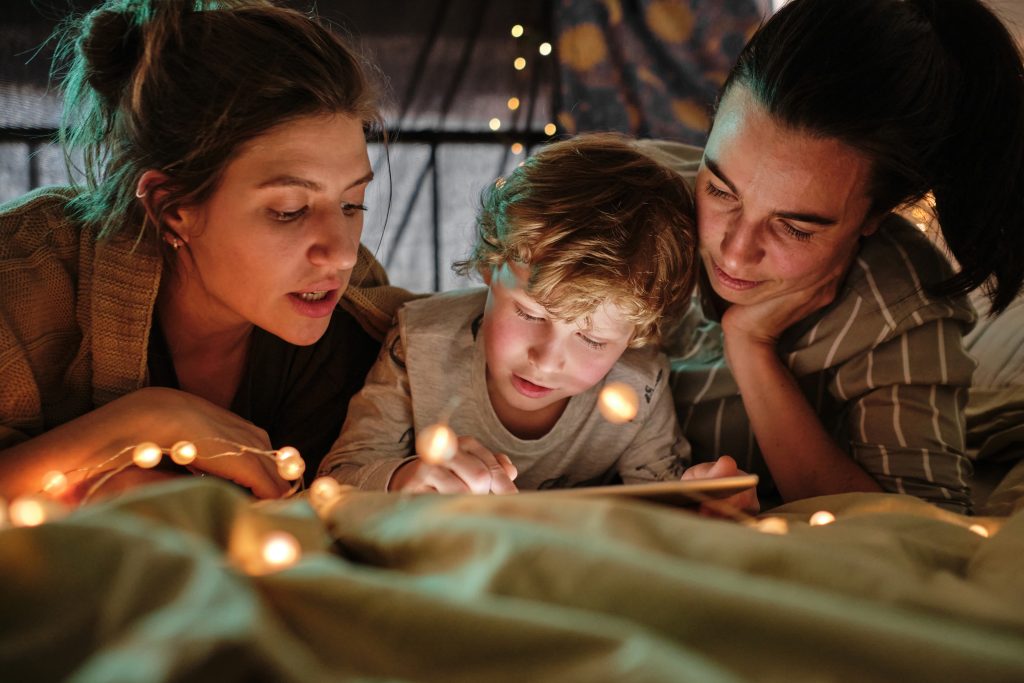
x: 485, y: 588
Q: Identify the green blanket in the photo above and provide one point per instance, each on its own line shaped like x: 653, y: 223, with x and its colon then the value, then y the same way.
x: 518, y: 588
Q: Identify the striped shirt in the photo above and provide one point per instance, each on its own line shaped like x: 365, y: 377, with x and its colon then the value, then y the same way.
x: 883, y: 366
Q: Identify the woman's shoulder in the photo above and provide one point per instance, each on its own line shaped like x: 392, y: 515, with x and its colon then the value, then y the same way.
x: 37, y: 220
x: 892, y: 276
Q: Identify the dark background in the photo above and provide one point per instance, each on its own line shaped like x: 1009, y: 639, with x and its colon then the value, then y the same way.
x: 446, y: 68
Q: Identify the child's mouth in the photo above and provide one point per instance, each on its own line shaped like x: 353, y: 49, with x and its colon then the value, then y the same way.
x: 528, y: 388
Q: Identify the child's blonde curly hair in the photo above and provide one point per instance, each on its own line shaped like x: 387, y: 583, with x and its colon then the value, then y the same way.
x: 596, y: 220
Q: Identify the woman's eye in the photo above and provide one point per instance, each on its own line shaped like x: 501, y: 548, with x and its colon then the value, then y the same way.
x: 716, y: 192
x: 288, y: 216
x: 526, y: 316
x: 801, y: 235
x: 350, y: 209
x: 592, y: 343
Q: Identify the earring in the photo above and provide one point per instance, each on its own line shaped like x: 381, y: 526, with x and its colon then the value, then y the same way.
x: 173, y: 241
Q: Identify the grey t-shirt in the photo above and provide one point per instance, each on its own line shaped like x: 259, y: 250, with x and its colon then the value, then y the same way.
x: 433, y: 363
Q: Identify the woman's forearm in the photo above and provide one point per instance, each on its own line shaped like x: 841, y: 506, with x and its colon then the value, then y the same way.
x: 81, y: 444
x: 85, y: 445
x: 803, y: 459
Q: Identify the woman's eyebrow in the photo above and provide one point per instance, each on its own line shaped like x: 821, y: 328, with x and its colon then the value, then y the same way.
x: 713, y: 165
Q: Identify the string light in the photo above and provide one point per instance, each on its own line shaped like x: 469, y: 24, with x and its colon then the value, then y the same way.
x: 519, y: 64
x: 516, y: 148
x: 183, y: 452
x: 437, y: 444
x: 280, y: 550
x: 550, y: 129
x: 55, y: 483
x: 27, y: 511
x: 290, y: 464
x: 147, y: 455
x: 513, y: 103
x: 772, y: 525
x: 326, y: 490
x: 618, y: 402
x: 544, y: 49
x: 518, y: 31
x: 822, y: 517
x: 494, y: 123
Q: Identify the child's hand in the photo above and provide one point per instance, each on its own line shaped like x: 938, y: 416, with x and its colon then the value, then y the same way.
x: 724, y: 467
x: 473, y: 469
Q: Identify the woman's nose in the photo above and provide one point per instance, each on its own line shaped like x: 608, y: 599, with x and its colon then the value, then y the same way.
x: 741, y: 246
x: 336, y: 242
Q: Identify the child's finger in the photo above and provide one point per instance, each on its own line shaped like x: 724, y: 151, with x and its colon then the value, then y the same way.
x: 442, y: 480
x: 472, y: 470
x: 501, y: 482
x: 506, y: 464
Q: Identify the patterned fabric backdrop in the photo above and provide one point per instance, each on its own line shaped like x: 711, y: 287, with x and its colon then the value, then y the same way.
x: 651, y: 68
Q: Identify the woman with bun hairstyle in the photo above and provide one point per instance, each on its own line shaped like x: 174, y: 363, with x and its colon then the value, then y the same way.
x: 825, y: 353
x: 207, y: 282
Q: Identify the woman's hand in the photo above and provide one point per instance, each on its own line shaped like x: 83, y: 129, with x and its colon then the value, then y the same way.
x: 473, y: 469
x: 163, y: 416
x: 763, y: 322
x: 724, y: 467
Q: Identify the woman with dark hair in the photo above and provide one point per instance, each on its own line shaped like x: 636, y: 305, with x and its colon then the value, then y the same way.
x: 207, y: 284
x: 825, y: 352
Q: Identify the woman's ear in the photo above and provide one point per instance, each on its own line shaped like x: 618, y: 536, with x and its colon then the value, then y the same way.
x: 871, y: 225
x: 486, y: 272
x: 150, y: 191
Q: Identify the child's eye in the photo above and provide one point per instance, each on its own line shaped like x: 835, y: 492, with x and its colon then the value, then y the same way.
x: 596, y: 345
x: 526, y: 316
x: 716, y: 192
x: 350, y: 209
x: 288, y: 216
x: 801, y: 235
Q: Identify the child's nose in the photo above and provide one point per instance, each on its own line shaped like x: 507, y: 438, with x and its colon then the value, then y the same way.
x: 546, y: 354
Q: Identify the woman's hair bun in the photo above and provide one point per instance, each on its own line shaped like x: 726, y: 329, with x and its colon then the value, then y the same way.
x: 111, y: 44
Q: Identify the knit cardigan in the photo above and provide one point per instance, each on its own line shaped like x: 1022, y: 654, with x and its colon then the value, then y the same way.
x: 75, y: 313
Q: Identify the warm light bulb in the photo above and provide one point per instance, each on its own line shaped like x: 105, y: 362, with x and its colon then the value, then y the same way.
x: 519, y: 64
x: 147, y: 454
x: 979, y: 529
x: 772, y: 525
x: 27, y: 512
x: 513, y: 103
x: 183, y: 452
x: 290, y: 464
x: 516, y: 148
x: 550, y: 129
x: 544, y: 49
x: 280, y: 550
x: 618, y: 402
x: 437, y: 444
x: 325, y: 490
x: 822, y: 517
x: 55, y: 483
x: 494, y: 123
x: 517, y: 31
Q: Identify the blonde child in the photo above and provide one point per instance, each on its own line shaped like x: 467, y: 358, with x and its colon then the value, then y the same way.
x: 585, y: 250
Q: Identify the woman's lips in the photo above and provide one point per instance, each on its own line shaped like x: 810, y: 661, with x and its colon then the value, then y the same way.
x: 317, y: 308
x: 528, y: 388
x: 731, y: 282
